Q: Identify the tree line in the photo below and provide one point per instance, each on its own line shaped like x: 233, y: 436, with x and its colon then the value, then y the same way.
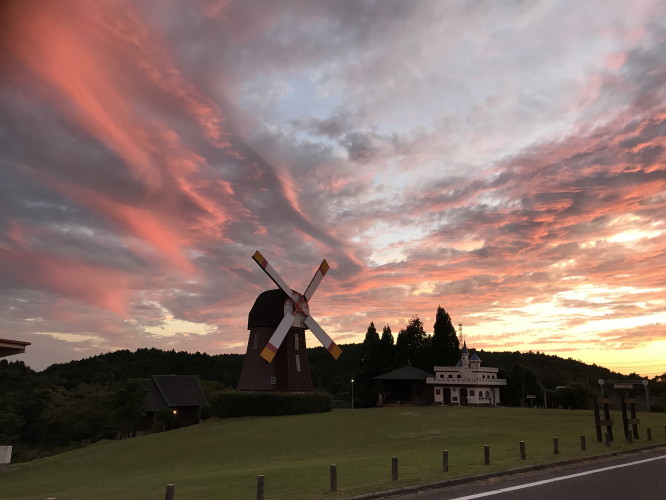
x: 71, y: 404
x: 413, y: 346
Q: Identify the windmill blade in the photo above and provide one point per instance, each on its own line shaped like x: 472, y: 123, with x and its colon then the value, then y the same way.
x: 323, y: 337
x: 316, y: 279
x: 272, y: 273
x: 268, y: 352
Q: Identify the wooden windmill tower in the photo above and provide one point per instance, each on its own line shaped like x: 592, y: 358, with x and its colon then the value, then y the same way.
x: 276, y: 357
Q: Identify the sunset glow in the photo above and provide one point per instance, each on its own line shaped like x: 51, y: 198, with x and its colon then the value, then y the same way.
x: 504, y: 160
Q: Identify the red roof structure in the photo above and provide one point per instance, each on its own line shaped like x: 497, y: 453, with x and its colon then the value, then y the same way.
x: 9, y: 347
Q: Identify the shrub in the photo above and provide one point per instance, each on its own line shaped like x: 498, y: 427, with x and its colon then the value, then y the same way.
x: 227, y: 404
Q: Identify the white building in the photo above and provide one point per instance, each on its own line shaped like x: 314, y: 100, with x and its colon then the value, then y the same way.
x: 467, y: 383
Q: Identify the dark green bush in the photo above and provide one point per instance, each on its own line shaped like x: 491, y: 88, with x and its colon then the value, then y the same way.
x: 227, y: 404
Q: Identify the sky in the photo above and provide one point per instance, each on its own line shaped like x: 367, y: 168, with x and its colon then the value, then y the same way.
x: 504, y: 160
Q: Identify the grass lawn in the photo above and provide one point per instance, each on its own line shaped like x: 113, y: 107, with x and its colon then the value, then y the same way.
x: 222, y: 458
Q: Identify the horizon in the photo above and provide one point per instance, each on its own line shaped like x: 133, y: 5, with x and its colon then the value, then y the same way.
x: 503, y: 160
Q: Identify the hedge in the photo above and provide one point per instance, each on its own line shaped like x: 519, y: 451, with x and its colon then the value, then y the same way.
x: 227, y: 404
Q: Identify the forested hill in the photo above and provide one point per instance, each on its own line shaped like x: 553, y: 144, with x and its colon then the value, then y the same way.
x: 552, y: 371
x: 327, y: 373
x: 121, y: 365
x: 525, y: 372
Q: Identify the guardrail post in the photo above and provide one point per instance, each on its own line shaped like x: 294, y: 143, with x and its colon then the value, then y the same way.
x: 260, y: 487
x: 630, y: 436
x: 486, y: 454
x: 556, y: 446
x: 394, y: 468
x: 445, y: 461
x: 649, y: 433
x: 583, y: 443
x: 170, y: 493
x: 608, y: 439
x: 334, y: 478
x: 523, y: 456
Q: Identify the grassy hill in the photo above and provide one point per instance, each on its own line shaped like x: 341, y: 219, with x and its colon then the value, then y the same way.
x: 221, y: 458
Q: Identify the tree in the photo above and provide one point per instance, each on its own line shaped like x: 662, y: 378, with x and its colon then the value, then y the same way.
x: 386, y: 350
x: 387, y: 337
x: 127, y: 406
x: 413, y: 344
x: 572, y: 396
x: 370, y: 350
x: 369, y: 368
x: 521, y: 381
x: 445, y: 343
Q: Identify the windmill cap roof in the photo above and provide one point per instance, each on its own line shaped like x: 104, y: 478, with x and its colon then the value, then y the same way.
x: 268, y: 309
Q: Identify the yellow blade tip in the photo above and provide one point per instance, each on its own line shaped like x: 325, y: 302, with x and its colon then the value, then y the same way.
x: 335, y: 352
x: 267, y: 354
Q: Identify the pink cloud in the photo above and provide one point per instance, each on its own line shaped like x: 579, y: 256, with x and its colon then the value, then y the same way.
x: 103, y: 287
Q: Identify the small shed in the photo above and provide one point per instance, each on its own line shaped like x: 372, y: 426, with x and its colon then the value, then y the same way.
x: 405, y: 386
x: 9, y: 347
x: 181, y: 394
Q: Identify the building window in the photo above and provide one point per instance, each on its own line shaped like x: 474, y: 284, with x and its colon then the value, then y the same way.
x: 458, y: 376
x: 273, y: 380
x: 471, y: 393
x: 298, y: 363
x: 438, y: 391
x: 296, y: 344
x: 450, y: 375
x: 487, y: 394
x: 256, y: 341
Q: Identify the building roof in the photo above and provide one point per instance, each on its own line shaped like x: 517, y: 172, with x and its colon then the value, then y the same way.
x: 268, y: 309
x: 405, y: 373
x: 9, y: 347
x: 172, y: 391
x: 464, y: 349
x: 474, y: 357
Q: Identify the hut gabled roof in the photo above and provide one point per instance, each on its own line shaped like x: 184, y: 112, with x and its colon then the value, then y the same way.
x: 172, y: 391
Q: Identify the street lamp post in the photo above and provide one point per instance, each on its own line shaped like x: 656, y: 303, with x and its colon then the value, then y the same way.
x: 352, y: 382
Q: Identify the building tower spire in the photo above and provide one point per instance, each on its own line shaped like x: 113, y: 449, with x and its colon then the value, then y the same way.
x: 464, y: 356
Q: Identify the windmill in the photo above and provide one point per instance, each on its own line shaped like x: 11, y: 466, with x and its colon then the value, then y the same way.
x: 276, y: 356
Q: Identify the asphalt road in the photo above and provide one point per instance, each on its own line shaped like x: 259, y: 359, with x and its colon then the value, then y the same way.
x: 637, y: 476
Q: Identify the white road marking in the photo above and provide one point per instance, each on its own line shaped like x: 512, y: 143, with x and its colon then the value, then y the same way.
x: 561, y: 478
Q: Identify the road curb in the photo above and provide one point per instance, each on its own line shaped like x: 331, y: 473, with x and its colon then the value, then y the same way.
x: 508, y: 472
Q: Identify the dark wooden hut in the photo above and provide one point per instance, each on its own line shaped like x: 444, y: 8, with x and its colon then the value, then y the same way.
x: 181, y: 394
